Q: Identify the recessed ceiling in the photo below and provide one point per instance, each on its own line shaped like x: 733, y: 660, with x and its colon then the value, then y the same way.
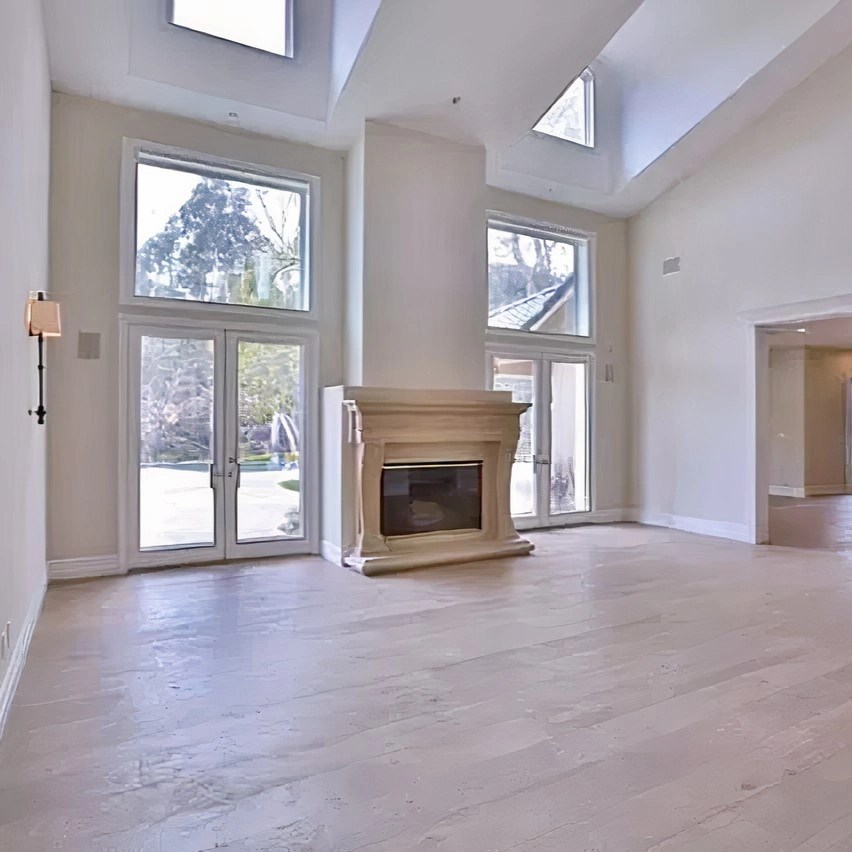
x: 673, y: 85
x: 674, y: 80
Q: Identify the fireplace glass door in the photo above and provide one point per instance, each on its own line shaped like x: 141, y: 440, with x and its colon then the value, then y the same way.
x: 435, y: 497
x: 551, y: 471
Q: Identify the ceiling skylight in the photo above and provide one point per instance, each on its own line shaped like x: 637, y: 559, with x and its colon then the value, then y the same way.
x: 261, y: 24
x: 572, y: 117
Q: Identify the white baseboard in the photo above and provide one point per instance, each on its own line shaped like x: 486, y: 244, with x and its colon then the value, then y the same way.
x: 786, y: 491
x: 87, y: 566
x: 331, y: 552
x: 699, y: 526
x: 19, y: 655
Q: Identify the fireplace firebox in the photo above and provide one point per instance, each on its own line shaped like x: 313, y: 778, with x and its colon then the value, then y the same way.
x: 433, y: 497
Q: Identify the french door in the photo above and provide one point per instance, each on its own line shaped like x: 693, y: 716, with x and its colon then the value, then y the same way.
x: 219, y: 463
x: 551, y: 477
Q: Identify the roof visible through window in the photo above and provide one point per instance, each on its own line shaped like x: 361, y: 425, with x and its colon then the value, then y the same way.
x: 261, y: 24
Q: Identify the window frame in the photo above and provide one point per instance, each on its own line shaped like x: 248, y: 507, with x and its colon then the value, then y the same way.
x: 197, y: 162
x: 588, y: 78
x: 288, y: 35
x: 585, y: 242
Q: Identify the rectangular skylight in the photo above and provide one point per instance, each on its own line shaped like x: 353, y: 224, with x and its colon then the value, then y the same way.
x: 261, y: 24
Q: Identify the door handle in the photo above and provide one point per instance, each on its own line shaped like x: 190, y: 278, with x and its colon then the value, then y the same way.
x: 214, y: 474
x: 541, y: 461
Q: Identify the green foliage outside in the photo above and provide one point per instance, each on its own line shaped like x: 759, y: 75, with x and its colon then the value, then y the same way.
x: 176, y: 400
x: 231, y: 243
x: 219, y: 245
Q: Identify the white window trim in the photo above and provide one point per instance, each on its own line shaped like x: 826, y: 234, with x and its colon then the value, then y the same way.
x: 169, y: 307
x: 587, y: 244
x: 288, y: 40
x: 589, y: 131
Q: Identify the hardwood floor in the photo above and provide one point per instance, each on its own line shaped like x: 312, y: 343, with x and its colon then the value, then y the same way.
x: 624, y: 689
x: 812, y: 522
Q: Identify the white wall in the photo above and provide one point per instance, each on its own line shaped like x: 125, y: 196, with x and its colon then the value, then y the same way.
x: 351, y: 24
x: 787, y: 418
x: 83, y: 400
x: 353, y: 296
x: 826, y: 374
x: 424, y: 292
x: 24, y: 178
x: 765, y: 223
x: 678, y: 61
x: 415, y: 302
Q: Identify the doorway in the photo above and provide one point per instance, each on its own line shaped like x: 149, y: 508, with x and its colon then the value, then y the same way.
x: 217, y: 462
x: 805, y: 433
x: 551, y: 474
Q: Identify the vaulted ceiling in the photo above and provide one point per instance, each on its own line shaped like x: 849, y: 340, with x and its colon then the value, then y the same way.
x: 674, y: 80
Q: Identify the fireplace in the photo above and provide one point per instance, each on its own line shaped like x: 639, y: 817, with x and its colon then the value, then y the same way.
x: 433, y: 497
x: 422, y: 477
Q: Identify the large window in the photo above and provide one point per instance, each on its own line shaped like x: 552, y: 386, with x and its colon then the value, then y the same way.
x: 572, y: 117
x: 219, y: 235
x: 538, y: 280
x: 263, y: 24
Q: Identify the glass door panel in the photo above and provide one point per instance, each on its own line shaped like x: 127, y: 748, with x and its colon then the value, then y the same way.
x: 175, y: 469
x: 518, y: 375
x: 268, y: 503
x: 569, y: 486
x: 216, y: 455
x: 551, y: 473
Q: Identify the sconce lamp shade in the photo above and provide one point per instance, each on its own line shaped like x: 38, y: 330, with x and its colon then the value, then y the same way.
x: 42, y: 317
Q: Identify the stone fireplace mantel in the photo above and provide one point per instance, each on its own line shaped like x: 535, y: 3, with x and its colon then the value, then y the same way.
x: 386, y: 427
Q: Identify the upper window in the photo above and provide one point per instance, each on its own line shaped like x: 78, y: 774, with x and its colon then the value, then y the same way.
x: 263, y: 24
x: 538, y: 280
x: 213, y: 234
x: 572, y: 117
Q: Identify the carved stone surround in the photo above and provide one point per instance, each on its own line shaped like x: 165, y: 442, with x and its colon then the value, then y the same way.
x: 413, y: 427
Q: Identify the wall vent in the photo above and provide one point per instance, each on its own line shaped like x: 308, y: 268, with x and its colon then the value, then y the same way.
x: 671, y: 266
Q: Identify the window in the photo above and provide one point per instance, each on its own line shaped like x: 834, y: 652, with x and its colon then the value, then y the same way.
x: 538, y: 280
x: 219, y: 235
x: 572, y: 117
x: 263, y: 24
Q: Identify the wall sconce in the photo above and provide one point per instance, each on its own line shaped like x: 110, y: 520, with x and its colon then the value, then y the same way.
x: 42, y: 319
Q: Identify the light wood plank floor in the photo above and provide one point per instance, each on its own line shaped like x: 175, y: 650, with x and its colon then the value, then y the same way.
x: 625, y: 689
x: 824, y: 523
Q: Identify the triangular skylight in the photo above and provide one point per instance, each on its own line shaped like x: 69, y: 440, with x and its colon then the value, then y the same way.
x: 572, y: 116
x: 261, y: 24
